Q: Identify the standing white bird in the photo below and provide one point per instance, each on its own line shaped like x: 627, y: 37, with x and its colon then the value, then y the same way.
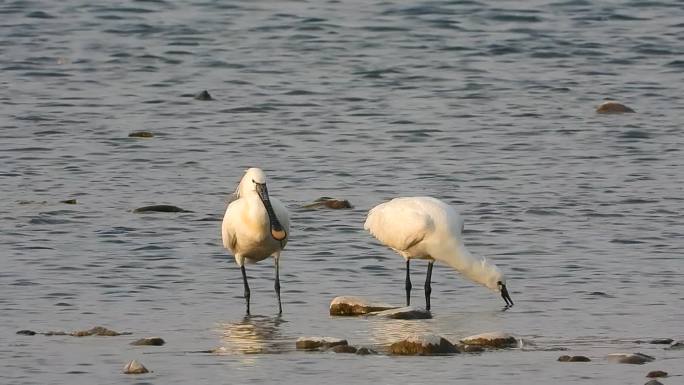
x: 255, y: 227
x: 427, y: 228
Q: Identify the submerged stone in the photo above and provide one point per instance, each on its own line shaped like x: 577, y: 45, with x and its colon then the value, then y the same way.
x: 565, y: 358
x: 613, y: 107
x: 496, y: 340
x: 364, y: 351
x: 149, y: 341
x: 135, y: 367
x: 69, y: 201
x: 408, y: 312
x: 661, y: 341
x: 330, y: 203
x: 160, y: 209
x: 27, y: 332
x: 422, y: 345
x: 204, y: 95
x: 97, y: 331
x: 141, y: 134
x: 630, y: 358
x: 351, y: 306
x: 653, y: 382
x: 656, y: 374
x: 317, y: 343
x: 343, y: 349
x: 676, y: 345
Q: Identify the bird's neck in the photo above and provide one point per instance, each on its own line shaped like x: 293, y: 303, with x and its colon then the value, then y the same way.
x: 476, y: 269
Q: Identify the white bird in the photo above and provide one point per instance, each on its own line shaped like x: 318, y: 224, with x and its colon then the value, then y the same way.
x: 427, y: 228
x: 255, y: 227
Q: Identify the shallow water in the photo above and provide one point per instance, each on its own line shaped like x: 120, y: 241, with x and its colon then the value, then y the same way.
x: 487, y: 105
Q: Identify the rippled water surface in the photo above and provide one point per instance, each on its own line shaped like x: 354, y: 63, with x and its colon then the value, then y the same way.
x: 487, y: 105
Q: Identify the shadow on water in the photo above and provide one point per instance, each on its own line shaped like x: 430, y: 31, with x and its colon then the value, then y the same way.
x: 255, y: 335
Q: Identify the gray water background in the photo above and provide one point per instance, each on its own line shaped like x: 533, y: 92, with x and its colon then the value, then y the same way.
x: 487, y: 105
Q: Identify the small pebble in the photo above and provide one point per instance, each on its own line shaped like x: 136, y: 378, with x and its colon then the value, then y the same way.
x: 661, y: 341
x: 141, y: 134
x: 364, y: 351
x: 573, y: 359
x: 69, y: 201
x: 344, y: 349
x: 612, y: 107
x: 135, y: 367
x: 27, y: 332
x: 150, y: 341
x: 204, y: 95
x: 656, y: 374
x: 160, y: 209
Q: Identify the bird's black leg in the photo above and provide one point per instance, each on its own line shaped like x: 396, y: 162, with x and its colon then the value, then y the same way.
x: 244, y: 279
x: 277, y: 284
x: 428, y: 288
x: 408, y: 284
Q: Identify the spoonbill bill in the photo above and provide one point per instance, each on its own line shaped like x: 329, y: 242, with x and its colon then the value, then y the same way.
x: 427, y: 228
x: 255, y: 227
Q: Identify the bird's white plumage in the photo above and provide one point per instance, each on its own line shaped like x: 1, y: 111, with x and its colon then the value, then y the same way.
x: 246, y: 228
x: 427, y: 228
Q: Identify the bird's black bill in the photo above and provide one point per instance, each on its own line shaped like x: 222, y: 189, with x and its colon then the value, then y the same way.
x: 277, y: 231
x: 506, y: 297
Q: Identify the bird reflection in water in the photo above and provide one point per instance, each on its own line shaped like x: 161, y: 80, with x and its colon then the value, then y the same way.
x: 254, y: 335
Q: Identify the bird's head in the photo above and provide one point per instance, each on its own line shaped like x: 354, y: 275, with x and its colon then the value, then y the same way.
x: 254, y: 180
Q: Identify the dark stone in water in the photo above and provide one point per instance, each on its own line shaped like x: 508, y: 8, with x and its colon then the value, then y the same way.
x: 676, y: 345
x: 150, y: 341
x: 69, y: 201
x: 317, y: 343
x: 496, y: 340
x: 612, y: 107
x: 661, y: 341
x: 364, y: 351
x: 330, y: 203
x: 422, y: 345
x: 653, y: 382
x: 573, y: 359
x: 343, y: 349
x: 141, y: 134
x: 656, y: 374
x: 97, y: 331
x: 204, y: 95
x: 160, y: 209
x: 27, y: 332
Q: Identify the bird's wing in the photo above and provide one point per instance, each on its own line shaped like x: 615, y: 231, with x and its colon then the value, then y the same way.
x: 228, y: 226
x: 398, y: 225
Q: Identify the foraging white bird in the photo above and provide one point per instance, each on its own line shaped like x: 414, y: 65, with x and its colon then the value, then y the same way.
x: 255, y: 227
x: 427, y: 228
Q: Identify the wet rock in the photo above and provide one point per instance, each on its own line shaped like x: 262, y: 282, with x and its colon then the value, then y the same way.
x: 630, y: 358
x: 408, y: 312
x: 661, y: 341
x: 656, y: 374
x: 573, y: 359
x: 149, y: 341
x: 343, y: 349
x: 135, y: 367
x: 496, y: 340
x: 422, y: 345
x: 27, y: 332
x: 613, y: 107
x: 97, y: 331
x: 69, y: 201
x: 57, y: 333
x: 676, y: 345
x: 204, y: 95
x: 160, y: 209
x: 463, y: 348
x: 318, y: 343
x: 350, y: 306
x: 330, y: 203
x: 364, y: 351
x: 653, y: 382
x: 141, y: 134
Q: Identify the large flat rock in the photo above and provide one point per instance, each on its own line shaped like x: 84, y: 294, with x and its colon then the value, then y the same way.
x: 494, y: 340
x: 422, y: 345
x: 353, y: 306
